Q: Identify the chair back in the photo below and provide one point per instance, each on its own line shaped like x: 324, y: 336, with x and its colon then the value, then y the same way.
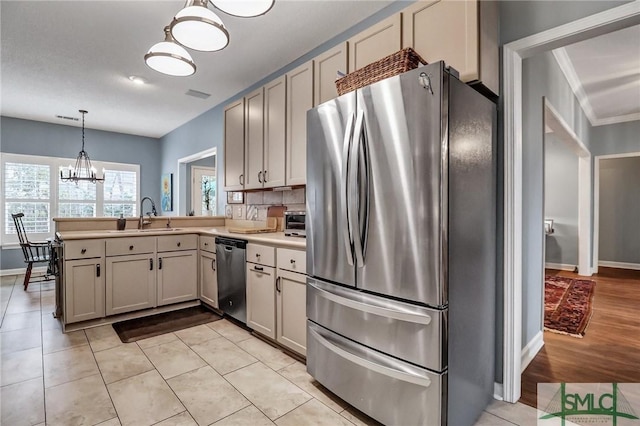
x: 22, y: 233
x: 28, y: 250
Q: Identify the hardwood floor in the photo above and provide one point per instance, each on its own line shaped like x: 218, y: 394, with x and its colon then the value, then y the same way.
x: 609, y: 351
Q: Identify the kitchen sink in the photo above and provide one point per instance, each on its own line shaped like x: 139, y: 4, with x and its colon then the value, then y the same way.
x: 126, y: 231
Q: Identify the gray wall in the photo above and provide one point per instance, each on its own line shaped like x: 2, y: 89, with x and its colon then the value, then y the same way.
x: 620, y: 138
x: 561, y: 201
x: 620, y: 210
x: 28, y: 137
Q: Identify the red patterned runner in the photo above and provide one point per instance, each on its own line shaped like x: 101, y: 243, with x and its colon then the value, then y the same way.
x: 567, y: 305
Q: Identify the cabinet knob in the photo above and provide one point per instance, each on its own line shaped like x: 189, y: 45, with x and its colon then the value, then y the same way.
x: 206, y: 244
x: 258, y: 255
x: 178, y: 243
x: 130, y: 247
x: 83, y: 251
x: 293, y: 261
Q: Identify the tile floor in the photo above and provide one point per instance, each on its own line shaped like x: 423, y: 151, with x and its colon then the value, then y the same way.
x: 215, y: 373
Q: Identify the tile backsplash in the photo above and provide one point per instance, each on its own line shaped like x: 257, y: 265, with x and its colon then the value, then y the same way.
x: 257, y: 203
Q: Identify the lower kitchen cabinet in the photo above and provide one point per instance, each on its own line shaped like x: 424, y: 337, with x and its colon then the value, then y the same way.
x: 261, y: 299
x: 291, y: 310
x: 130, y: 283
x: 177, y: 276
x: 84, y: 289
x: 208, y: 279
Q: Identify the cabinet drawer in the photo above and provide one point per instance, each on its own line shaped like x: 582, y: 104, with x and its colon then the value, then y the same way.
x: 292, y: 260
x: 208, y: 244
x: 137, y: 245
x: 263, y: 255
x: 83, y: 249
x: 177, y: 242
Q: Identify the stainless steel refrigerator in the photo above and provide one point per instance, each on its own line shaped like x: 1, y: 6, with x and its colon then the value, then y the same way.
x: 401, y: 248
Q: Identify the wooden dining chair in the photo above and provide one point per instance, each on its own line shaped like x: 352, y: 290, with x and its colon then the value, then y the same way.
x: 34, y: 252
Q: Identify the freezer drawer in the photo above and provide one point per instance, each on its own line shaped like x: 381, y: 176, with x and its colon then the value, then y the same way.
x: 410, y: 332
x: 387, y: 389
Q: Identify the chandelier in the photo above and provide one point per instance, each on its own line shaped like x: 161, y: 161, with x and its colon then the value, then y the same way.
x: 83, y: 170
x: 197, y: 27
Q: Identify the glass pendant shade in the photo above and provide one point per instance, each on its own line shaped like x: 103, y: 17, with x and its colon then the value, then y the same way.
x: 244, y: 8
x: 170, y: 58
x: 198, y: 28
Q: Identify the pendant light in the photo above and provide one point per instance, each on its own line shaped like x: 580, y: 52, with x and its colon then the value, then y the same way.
x: 83, y: 170
x: 170, y: 58
x: 198, y: 28
x: 243, y: 8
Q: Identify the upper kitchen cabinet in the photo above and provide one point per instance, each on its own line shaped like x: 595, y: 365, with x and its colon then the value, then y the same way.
x: 275, y: 133
x: 376, y: 42
x: 462, y: 33
x: 234, y: 146
x: 254, y: 139
x: 299, y: 100
x: 326, y: 67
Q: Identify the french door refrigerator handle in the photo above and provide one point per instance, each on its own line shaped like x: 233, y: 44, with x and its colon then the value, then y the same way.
x: 359, y: 232
x: 347, y: 232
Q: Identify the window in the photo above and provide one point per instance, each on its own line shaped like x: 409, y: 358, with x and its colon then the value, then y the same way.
x: 32, y: 185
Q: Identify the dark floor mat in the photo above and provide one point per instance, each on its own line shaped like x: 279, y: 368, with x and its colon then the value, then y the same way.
x: 154, y: 325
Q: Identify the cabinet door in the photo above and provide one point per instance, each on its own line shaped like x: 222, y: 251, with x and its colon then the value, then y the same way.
x: 84, y: 289
x: 291, y: 293
x: 234, y: 146
x: 177, y: 276
x: 208, y: 279
x: 444, y: 30
x: 261, y: 299
x: 130, y: 283
x: 274, y: 133
x: 376, y: 42
x: 325, y: 70
x: 299, y: 101
x: 254, y: 139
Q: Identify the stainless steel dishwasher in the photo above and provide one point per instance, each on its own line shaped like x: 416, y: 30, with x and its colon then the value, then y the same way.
x: 232, y: 277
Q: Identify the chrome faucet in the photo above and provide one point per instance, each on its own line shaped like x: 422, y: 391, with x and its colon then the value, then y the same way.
x: 143, y: 222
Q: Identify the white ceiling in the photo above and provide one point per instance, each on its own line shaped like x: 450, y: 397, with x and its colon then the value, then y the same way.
x: 604, y: 73
x: 61, y: 56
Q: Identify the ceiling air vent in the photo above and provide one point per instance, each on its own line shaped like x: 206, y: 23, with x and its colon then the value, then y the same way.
x: 64, y: 117
x: 197, y: 94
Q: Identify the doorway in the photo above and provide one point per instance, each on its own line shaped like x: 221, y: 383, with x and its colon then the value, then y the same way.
x: 204, y: 194
x: 183, y: 182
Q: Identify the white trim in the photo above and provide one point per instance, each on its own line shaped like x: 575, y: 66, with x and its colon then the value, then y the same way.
x: 531, y: 350
x: 189, y: 158
x: 513, y: 53
x: 596, y: 203
x: 498, y: 391
x: 40, y: 270
x: 560, y: 266
x: 621, y: 265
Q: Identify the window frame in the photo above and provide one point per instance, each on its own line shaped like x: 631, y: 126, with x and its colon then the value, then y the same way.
x: 54, y: 163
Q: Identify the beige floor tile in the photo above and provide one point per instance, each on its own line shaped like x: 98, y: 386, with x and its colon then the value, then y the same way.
x: 173, y: 358
x: 487, y: 419
x: 51, y: 323
x: 313, y: 413
x: 22, y: 403
x: 297, y: 374
x: 81, y: 402
x: 18, y: 304
x: 182, y: 419
x: 266, y: 353
x: 111, y: 422
x: 21, y: 321
x: 518, y: 413
x: 122, y: 362
x: 67, y: 366
x: 19, y: 366
x: 224, y: 356
x: 229, y: 330
x: 271, y: 393
x: 358, y: 418
x: 144, y: 399
x: 103, y: 337
x: 54, y: 340
x: 157, y: 340
x: 196, y: 335
x: 206, y: 395
x: 247, y: 416
x: 19, y: 340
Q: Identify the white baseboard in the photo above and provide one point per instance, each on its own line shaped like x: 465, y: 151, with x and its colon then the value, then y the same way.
x: 40, y: 270
x: 531, y: 350
x: 621, y: 265
x: 498, y: 391
x: 560, y: 266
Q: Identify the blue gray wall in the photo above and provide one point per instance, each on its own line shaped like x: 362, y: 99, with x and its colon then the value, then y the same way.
x: 620, y: 138
x: 561, y: 201
x: 28, y: 137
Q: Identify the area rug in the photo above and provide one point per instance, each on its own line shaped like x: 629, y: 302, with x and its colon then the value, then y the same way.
x: 567, y: 305
x: 167, y: 322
